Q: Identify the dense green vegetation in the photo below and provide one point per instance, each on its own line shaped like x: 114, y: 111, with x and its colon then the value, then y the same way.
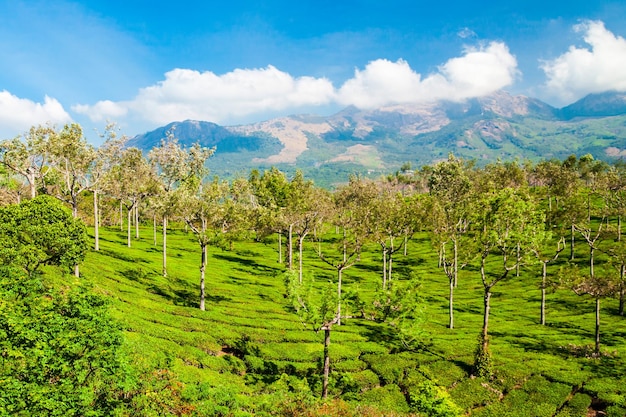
x: 419, y: 294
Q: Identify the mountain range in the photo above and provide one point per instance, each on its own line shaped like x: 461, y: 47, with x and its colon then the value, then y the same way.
x: 375, y: 142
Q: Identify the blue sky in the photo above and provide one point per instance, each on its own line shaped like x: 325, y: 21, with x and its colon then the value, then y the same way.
x: 143, y: 64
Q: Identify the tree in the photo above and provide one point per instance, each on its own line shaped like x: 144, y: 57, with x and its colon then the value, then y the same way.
x: 107, y: 155
x: 505, y: 221
x: 351, y: 216
x: 131, y: 180
x: 28, y: 157
x: 319, y: 313
x: 174, y: 164
x: 306, y: 208
x: 202, y: 210
x: 597, y: 285
x: 393, y: 216
x: 200, y: 204
x: 617, y: 259
x: 450, y: 207
x: 544, y: 257
x: 71, y: 158
x: 270, y: 191
x: 40, y: 232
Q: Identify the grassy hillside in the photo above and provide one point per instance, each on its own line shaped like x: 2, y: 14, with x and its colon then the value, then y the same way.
x: 249, y: 354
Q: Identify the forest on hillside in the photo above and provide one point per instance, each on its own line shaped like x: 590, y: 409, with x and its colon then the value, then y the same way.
x: 137, y: 284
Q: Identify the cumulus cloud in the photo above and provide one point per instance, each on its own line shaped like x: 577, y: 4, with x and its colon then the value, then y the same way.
x: 597, y: 68
x: 188, y: 94
x: 480, y: 71
x: 17, y: 115
x: 102, y: 110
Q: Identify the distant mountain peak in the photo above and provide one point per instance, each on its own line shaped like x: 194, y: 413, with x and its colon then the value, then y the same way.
x: 371, y: 141
x: 608, y: 103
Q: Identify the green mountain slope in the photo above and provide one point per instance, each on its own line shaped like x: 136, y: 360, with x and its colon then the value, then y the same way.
x: 378, y: 141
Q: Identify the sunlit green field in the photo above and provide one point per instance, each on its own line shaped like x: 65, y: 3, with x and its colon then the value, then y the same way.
x: 233, y: 354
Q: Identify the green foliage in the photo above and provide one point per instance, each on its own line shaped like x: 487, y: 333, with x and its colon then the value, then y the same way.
x: 577, y: 406
x: 59, y: 351
x: 433, y: 401
x: 389, y: 398
x: 482, y: 359
x: 40, y: 232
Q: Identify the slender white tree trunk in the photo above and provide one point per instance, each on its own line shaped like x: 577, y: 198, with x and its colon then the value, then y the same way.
x: 96, y: 221
x: 136, y: 221
x: 300, y: 245
x: 339, y: 276
x: 202, y: 272
x: 129, y: 215
x: 164, y: 245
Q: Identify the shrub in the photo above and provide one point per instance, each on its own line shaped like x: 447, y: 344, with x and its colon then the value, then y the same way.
x: 388, y: 397
x: 433, y: 401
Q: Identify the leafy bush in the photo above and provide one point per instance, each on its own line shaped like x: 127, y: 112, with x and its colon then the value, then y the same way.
x: 471, y: 393
x: 388, y: 398
x: 433, y: 401
x: 577, y: 406
x: 59, y: 351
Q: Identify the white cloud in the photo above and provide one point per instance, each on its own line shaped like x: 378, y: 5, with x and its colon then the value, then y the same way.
x: 581, y: 71
x: 236, y: 95
x: 17, y: 115
x: 189, y: 94
x: 480, y: 71
x: 102, y: 110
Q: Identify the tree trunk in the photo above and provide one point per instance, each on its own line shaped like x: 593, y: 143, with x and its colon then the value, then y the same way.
x: 597, y: 346
x: 390, y: 262
x: 619, y: 228
x: 544, y: 268
x: 406, y: 244
x: 136, y: 220
x: 550, y: 203
x: 451, y: 304
x: 456, y: 262
x: 32, y: 185
x: 130, y: 213
x: 345, y: 248
x: 384, y: 251
x: 326, y: 361
x: 339, y: 276
x: 300, y: 245
x: 487, y: 308
x: 571, y: 256
x: 164, y: 245
x: 280, y: 248
x: 96, y: 221
x: 202, y: 270
x: 591, y: 262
